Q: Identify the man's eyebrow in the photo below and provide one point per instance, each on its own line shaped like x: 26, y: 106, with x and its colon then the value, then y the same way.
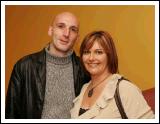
x: 60, y: 23
x: 73, y: 26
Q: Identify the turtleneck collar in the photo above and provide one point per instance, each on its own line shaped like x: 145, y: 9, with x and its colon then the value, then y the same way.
x: 56, y: 59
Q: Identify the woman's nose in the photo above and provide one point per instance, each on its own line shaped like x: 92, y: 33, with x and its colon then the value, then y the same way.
x: 91, y: 57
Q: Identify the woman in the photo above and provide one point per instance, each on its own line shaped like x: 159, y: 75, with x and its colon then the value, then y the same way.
x: 97, y: 98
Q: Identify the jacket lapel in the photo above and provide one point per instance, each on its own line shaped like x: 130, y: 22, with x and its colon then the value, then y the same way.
x: 75, y: 72
x: 40, y: 66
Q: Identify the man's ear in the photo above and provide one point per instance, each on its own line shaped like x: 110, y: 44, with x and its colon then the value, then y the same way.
x: 78, y: 37
x: 50, y: 30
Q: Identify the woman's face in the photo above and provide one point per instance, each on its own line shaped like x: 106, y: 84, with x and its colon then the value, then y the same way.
x: 95, y: 59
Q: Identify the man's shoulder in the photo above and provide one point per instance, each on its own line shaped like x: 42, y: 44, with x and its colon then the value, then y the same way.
x: 31, y: 57
x: 76, y: 58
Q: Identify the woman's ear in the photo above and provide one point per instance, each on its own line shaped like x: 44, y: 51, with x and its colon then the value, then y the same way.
x: 50, y: 30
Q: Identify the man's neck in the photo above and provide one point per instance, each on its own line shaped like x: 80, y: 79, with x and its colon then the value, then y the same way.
x: 55, y: 52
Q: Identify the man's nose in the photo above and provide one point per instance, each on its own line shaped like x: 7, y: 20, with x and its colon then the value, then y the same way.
x: 66, y: 32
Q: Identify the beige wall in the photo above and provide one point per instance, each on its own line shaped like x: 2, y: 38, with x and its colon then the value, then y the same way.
x: 132, y: 28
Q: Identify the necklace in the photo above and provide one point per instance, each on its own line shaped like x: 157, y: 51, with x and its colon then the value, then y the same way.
x: 90, y: 93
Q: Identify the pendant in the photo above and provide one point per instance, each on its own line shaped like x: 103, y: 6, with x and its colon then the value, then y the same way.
x: 90, y: 93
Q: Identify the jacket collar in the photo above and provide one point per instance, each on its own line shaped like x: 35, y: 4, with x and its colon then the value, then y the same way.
x: 41, y: 58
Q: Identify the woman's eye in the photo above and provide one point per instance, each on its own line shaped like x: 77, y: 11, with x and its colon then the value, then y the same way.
x: 86, y: 52
x: 99, y: 52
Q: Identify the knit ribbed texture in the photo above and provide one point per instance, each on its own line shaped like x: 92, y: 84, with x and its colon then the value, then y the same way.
x: 59, y: 92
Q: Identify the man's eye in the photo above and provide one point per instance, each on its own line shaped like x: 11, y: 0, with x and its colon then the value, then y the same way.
x: 60, y: 26
x: 74, y: 29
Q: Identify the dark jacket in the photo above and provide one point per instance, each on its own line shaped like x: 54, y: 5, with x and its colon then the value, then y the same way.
x: 26, y: 90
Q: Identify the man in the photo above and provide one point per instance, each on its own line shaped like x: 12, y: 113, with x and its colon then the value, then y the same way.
x: 44, y: 84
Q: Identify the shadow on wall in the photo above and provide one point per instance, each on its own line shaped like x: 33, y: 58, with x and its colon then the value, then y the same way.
x: 149, y: 95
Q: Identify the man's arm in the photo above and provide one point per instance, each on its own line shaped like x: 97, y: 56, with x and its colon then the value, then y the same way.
x: 12, y: 109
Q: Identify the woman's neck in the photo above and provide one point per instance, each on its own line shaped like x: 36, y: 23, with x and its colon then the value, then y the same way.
x: 96, y: 78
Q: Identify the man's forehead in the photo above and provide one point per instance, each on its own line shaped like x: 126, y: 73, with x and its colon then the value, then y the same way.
x: 66, y: 18
x: 66, y: 14
x: 66, y: 23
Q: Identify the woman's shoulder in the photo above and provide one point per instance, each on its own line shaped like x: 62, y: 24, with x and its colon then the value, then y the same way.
x: 124, y: 82
x: 128, y: 86
x: 130, y: 92
x: 133, y: 101
x: 84, y: 87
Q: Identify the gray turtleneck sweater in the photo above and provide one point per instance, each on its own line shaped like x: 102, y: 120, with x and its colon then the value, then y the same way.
x: 59, y: 92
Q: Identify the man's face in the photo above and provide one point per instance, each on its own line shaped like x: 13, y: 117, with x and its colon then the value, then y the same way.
x: 65, y: 32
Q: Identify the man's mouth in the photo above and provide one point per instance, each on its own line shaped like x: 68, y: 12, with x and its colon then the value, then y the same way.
x: 64, y: 41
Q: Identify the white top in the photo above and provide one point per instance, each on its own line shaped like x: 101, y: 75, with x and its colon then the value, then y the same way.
x: 105, y: 106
